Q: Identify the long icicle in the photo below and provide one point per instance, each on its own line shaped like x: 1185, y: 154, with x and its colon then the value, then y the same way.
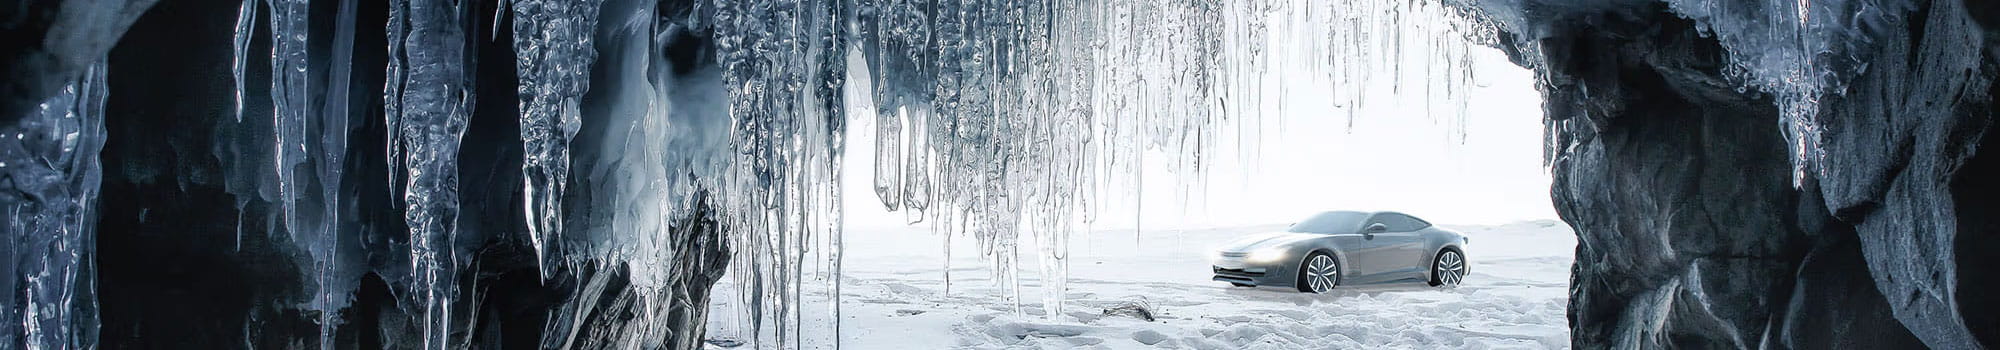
x: 429, y: 119
x: 553, y: 51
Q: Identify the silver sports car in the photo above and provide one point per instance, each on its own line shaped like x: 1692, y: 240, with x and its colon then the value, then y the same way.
x: 1339, y: 248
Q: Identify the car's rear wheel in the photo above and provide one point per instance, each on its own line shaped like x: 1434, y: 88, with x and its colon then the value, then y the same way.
x: 1448, y: 269
x: 1319, y: 273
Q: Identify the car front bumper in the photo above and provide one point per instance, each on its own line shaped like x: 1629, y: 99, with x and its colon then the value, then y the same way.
x: 1249, y: 276
x: 1234, y: 270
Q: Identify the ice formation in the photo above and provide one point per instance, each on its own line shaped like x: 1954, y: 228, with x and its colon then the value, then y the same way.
x: 305, y: 159
x: 429, y: 118
x: 1797, y: 51
x: 553, y: 54
x: 1008, y: 120
x: 50, y: 157
x: 1003, y: 120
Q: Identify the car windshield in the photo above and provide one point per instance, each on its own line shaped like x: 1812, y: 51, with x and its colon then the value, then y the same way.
x: 1331, y: 222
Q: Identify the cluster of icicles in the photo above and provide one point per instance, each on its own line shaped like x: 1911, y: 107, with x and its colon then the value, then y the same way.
x: 1002, y: 120
x: 999, y: 120
x: 1800, y: 52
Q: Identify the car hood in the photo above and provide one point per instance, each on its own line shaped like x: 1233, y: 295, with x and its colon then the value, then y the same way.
x: 1266, y: 240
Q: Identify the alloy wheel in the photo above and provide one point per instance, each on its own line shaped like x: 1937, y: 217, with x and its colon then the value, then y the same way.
x: 1450, y: 268
x: 1322, y: 273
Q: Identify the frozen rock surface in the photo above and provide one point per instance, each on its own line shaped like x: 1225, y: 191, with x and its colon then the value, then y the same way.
x: 1676, y: 167
x: 45, y: 45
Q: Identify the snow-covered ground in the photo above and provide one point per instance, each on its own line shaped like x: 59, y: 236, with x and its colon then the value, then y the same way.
x: 893, y: 297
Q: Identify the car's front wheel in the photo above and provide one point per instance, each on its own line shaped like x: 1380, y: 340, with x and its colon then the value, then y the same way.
x: 1319, y: 274
x: 1448, y: 269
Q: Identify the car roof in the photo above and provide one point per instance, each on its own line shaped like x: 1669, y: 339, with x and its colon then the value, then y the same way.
x: 1374, y: 213
x: 1371, y: 213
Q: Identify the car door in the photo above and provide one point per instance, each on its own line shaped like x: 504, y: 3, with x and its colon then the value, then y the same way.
x: 1369, y: 252
x: 1399, y: 252
x: 1355, y: 250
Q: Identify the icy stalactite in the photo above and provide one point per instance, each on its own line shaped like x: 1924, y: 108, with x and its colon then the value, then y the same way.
x: 329, y: 160
x: 1773, y: 49
x: 47, y: 222
x: 1798, y: 51
x: 783, y: 63
x: 553, y: 54
x: 290, y: 107
x: 397, y: 34
x: 306, y: 150
x: 1007, y: 120
x: 1033, y: 109
x: 246, y: 22
x: 429, y: 107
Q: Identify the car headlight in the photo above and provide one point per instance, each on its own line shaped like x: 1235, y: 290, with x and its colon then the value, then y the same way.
x: 1266, y: 255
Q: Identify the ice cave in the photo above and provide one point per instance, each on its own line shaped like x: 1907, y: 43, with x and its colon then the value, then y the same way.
x: 683, y: 174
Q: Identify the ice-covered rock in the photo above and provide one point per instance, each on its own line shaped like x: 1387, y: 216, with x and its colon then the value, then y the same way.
x: 49, y: 44
x: 1677, y: 123
x: 48, y: 205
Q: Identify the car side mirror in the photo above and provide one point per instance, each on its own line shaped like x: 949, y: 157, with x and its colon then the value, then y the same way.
x: 1375, y: 228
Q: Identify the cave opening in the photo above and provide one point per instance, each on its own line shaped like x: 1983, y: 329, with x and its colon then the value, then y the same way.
x: 682, y: 174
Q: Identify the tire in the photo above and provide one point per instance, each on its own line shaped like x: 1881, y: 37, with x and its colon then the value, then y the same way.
x: 1318, y: 273
x: 1448, y: 268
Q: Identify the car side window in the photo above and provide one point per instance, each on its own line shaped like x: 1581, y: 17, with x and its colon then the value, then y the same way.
x: 1398, y: 222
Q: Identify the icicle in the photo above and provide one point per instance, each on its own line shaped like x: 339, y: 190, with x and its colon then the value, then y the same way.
x: 428, y: 117
x: 329, y: 160
x: 1792, y: 50
x: 1030, y: 107
x: 1004, y: 120
x: 290, y: 107
x: 246, y: 21
x: 783, y: 63
x: 49, y: 230
x: 553, y: 54
x: 397, y: 34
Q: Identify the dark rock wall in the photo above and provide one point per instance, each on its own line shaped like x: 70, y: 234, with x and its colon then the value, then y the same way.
x: 45, y: 44
x: 193, y: 253
x: 1691, y: 231
x: 1905, y: 168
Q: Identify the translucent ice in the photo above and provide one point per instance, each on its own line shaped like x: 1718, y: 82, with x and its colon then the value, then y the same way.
x: 1009, y: 120
x: 47, y: 228
x: 1798, y: 51
x: 430, y: 104
x: 553, y: 53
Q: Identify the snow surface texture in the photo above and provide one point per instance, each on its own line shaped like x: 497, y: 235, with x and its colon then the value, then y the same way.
x: 1514, y: 299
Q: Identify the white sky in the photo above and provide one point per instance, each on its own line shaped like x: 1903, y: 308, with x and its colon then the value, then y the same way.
x: 1393, y: 159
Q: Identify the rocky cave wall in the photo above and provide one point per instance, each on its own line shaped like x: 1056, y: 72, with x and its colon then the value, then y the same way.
x: 190, y: 247
x: 1692, y: 233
